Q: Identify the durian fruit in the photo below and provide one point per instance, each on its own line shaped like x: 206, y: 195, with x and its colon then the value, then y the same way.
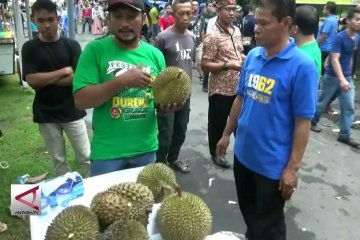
x: 125, y: 229
x: 184, y: 216
x: 139, y: 195
x: 159, y: 178
x: 172, y: 86
x: 74, y: 222
x: 109, y: 207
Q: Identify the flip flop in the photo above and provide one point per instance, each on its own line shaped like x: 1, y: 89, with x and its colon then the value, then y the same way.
x: 3, y: 227
x: 181, y: 166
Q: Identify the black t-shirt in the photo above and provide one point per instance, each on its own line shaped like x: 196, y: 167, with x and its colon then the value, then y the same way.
x: 52, y: 104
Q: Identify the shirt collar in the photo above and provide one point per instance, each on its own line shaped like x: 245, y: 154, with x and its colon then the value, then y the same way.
x: 285, y: 53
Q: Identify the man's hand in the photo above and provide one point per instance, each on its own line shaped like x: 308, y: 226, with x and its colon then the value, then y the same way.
x: 345, y: 85
x: 171, y: 107
x: 222, y: 146
x: 288, y: 183
x: 135, y: 78
x: 68, y: 71
x: 235, y: 65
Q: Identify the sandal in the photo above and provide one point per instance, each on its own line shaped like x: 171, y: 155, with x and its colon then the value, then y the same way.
x: 181, y: 166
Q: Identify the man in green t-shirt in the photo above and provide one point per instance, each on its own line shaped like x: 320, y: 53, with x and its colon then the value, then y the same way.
x: 306, y: 21
x: 113, y: 76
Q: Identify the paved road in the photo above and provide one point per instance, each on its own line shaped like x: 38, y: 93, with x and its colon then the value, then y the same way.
x: 326, y: 205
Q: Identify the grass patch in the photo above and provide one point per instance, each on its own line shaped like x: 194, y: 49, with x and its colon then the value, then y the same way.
x: 22, y: 147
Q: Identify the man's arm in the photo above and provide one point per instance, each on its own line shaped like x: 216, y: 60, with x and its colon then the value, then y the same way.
x: 289, y: 178
x: 94, y: 95
x: 335, y: 62
x: 322, y: 38
x: 43, y: 79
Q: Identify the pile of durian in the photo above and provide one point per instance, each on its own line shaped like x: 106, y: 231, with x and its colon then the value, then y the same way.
x: 121, y: 212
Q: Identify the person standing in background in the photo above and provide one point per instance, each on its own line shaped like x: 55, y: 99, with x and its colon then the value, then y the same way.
x: 86, y: 17
x: 167, y: 19
x: 49, y: 62
x: 247, y: 29
x: 154, y: 16
x: 178, y: 45
x: 222, y: 57
x: 208, y: 13
x: 305, y: 24
x: 97, y: 17
x: 338, y: 79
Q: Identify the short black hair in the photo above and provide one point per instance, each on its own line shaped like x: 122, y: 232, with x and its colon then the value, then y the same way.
x: 331, y: 7
x: 307, y: 19
x: 179, y: 1
x: 209, y: 2
x: 251, y: 8
x: 166, y: 5
x: 280, y: 8
x: 44, y: 5
x: 352, y: 12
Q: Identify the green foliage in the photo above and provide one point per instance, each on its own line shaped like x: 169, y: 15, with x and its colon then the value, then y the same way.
x: 22, y: 147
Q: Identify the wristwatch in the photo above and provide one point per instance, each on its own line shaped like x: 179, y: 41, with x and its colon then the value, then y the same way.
x: 225, y: 67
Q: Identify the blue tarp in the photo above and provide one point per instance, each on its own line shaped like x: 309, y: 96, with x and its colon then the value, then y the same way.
x: 160, y: 3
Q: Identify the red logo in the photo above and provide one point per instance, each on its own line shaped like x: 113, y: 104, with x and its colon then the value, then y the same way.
x: 29, y: 204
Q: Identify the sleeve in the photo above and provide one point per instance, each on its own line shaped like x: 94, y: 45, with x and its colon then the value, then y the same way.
x: 29, y: 64
x: 336, y: 46
x: 304, y: 92
x: 159, y: 43
x: 327, y: 27
x: 76, y: 52
x: 210, y: 47
x: 87, y: 70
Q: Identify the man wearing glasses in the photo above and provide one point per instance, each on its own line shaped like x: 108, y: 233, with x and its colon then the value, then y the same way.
x: 222, y: 57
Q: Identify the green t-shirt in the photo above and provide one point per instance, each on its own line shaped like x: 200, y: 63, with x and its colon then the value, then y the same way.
x: 125, y: 125
x: 313, y: 51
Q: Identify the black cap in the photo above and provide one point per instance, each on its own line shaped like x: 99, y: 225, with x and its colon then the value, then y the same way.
x: 135, y: 4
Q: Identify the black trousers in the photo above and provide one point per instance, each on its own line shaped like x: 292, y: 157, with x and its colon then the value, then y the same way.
x: 260, y: 203
x: 172, y: 131
x: 89, y: 22
x: 219, y: 111
x: 206, y: 80
x: 324, y: 55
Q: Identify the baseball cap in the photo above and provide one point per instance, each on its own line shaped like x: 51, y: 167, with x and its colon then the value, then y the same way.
x: 135, y: 4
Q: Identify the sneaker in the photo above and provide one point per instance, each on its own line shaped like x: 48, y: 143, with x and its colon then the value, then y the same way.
x: 349, y: 141
x: 331, y: 111
x: 315, y: 128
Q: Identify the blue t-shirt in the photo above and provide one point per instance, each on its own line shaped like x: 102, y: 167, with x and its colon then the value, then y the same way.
x: 249, y: 26
x: 329, y: 26
x: 346, y: 46
x: 274, y: 92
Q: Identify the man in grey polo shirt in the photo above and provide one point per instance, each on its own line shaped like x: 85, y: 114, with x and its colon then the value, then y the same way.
x: 177, y: 44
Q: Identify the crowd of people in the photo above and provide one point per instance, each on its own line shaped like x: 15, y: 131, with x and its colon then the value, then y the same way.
x: 261, y: 72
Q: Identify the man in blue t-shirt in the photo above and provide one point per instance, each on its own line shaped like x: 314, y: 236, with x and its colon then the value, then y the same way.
x: 271, y: 115
x: 338, y: 78
x: 327, y: 31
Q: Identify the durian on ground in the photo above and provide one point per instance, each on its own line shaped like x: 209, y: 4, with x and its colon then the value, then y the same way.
x: 172, y: 86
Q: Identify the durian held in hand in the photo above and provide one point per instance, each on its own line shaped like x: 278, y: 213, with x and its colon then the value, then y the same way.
x: 159, y: 178
x: 125, y: 229
x: 172, y: 87
x: 75, y: 223
x: 184, y: 216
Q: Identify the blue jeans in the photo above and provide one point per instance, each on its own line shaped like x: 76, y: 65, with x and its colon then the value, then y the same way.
x: 154, y: 30
x: 105, y: 166
x: 331, y: 87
